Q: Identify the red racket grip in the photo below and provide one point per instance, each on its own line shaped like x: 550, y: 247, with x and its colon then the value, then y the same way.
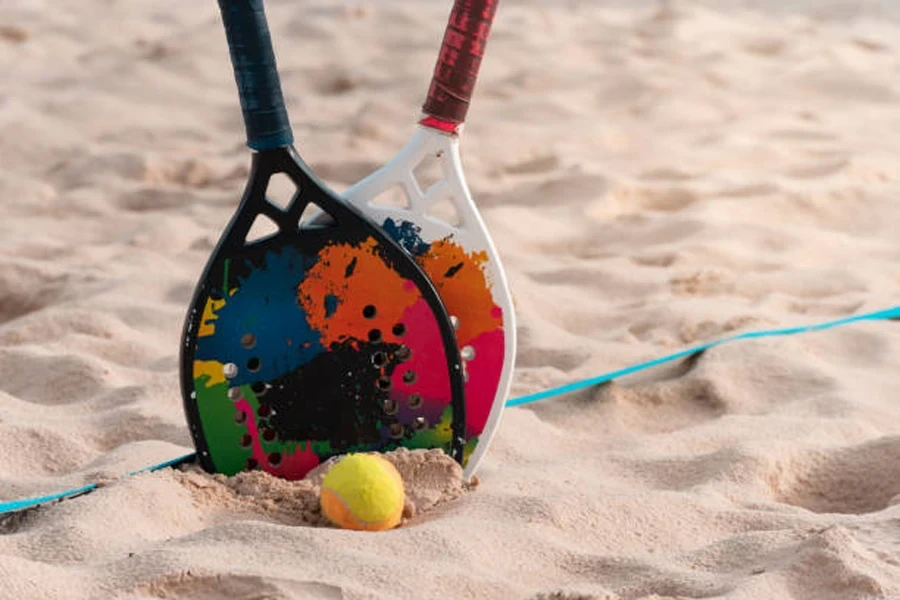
x: 457, y: 66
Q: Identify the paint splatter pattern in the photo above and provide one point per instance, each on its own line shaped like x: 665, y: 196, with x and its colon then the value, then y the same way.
x: 460, y: 280
x: 341, y: 322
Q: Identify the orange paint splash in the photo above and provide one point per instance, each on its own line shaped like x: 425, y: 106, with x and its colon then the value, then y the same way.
x: 460, y: 281
x: 371, y: 282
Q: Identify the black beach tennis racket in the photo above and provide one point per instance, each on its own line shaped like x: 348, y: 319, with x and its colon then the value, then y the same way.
x: 317, y: 340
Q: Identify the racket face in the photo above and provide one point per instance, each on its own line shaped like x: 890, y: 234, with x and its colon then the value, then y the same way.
x: 462, y: 263
x: 315, y: 341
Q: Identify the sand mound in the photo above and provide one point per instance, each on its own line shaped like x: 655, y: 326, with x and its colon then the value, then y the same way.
x: 431, y: 479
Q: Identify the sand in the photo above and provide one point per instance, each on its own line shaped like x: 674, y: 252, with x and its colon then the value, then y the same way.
x: 655, y: 176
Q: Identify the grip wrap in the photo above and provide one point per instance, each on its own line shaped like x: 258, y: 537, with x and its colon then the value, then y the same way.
x: 256, y: 74
x: 457, y: 66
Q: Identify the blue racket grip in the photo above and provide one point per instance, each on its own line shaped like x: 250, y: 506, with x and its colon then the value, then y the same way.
x: 253, y: 60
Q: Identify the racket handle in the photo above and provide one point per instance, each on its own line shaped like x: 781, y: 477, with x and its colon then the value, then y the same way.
x: 457, y: 66
x: 253, y: 60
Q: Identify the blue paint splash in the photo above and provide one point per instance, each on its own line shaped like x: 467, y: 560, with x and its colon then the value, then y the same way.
x: 265, y: 306
x: 331, y: 305
x: 407, y: 235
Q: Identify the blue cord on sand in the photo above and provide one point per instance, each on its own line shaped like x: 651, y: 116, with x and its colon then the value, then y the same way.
x: 16, y: 505
x: 881, y: 315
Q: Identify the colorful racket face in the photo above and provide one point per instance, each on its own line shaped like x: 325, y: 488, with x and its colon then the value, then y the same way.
x: 315, y: 340
x: 459, y: 256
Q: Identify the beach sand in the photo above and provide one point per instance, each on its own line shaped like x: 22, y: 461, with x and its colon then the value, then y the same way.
x: 654, y: 177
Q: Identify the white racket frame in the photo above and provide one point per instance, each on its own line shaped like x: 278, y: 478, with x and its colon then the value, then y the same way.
x: 470, y: 233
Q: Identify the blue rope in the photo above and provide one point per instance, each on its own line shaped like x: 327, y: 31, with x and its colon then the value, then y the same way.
x: 881, y: 315
x: 15, y: 505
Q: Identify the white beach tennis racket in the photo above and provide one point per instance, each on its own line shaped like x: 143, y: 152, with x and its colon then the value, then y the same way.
x: 459, y: 256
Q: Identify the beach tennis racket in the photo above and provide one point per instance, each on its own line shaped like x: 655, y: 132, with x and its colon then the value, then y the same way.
x: 455, y: 250
x: 316, y: 340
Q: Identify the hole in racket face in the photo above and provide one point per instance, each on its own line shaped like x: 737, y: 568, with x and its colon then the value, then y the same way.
x: 395, y: 196
x: 379, y: 359
x: 263, y: 227
x: 312, y: 217
x: 429, y: 171
x: 415, y: 401
x: 281, y: 190
x: 403, y: 353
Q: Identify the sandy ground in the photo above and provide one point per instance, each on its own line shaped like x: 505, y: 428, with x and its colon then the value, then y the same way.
x: 654, y: 177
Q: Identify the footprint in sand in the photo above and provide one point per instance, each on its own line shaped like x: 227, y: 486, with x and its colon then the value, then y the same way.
x: 855, y: 480
x: 661, y: 259
x: 676, y: 403
x: 569, y: 596
x: 561, y: 191
x: 706, y: 282
x: 237, y: 587
x: 667, y: 174
x: 640, y: 578
x: 149, y: 199
x: 21, y: 521
x: 86, y: 170
x: 665, y: 406
x: 662, y: 199
x: 27, y: 286
x: 534, y: 165
x: 802, y: 135
x: 833, y: 564
x: 81, y: 376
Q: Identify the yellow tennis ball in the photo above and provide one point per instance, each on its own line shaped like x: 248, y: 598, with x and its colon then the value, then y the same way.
x: 363, y: 492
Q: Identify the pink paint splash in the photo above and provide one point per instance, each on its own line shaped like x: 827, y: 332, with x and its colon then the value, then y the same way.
x: 484, y: 377
x: 428, y: 362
